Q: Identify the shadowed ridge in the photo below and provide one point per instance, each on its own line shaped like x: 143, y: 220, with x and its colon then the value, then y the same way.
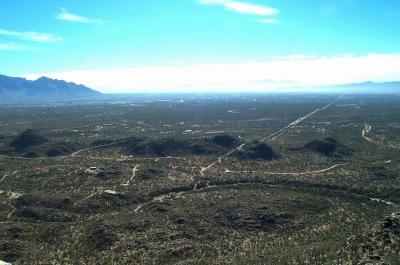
x: 328, y: 147
x: 256, y: 150
x: 27, y: 139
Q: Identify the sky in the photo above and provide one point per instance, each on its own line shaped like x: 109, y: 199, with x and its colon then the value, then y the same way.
x: 123, y: 46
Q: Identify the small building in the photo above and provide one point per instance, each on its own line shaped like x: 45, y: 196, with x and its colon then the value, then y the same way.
x: 93, y: 170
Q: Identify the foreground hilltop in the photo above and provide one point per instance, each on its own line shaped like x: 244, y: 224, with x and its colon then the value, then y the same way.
x: 379, y: 246
x: 15, y: 90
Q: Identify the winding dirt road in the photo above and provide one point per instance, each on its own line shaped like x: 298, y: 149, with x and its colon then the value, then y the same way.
x: 162, y: 197
x: 290, y: 173
x: 99, y: 146
x: 367, y: 129
x: 134, y: 170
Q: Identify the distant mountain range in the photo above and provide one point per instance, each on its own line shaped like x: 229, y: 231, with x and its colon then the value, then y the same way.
x: 362, y: 88
x: 20, y: 90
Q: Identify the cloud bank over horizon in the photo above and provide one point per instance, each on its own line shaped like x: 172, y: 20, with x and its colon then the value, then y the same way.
x: 252, y: 76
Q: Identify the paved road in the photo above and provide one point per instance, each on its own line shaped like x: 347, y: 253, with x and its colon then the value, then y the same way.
x: 273, y: 136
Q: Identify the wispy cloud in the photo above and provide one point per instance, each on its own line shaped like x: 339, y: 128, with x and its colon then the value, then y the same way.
x: 30, y: 35
x: 269, y: 21
x: 243, y: 7
x: 297, y: 70
x: 11, y: 47
x: 65, y: 15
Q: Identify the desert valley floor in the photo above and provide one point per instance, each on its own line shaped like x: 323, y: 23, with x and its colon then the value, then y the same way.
x: 202, y: 179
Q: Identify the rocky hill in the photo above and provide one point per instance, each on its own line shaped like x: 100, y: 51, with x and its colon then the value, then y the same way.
x: 327, y: 147
x: 175, y: 147
x: 31, y: 144
x: 256, y: 150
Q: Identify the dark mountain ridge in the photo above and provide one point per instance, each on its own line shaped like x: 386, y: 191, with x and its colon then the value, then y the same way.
x: 16, y: 90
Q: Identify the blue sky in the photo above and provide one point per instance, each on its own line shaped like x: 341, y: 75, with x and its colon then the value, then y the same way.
x: 128, y: 43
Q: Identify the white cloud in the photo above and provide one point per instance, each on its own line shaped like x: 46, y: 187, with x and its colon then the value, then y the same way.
x: 30, y: 36
x: 243, y: 7
x: 269, y: 21
x: 296, y: 70
x: 67, y: 16
x: 11, y: 47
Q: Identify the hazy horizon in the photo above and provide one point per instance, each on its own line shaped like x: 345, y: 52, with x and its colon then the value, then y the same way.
x: 201, y: 45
